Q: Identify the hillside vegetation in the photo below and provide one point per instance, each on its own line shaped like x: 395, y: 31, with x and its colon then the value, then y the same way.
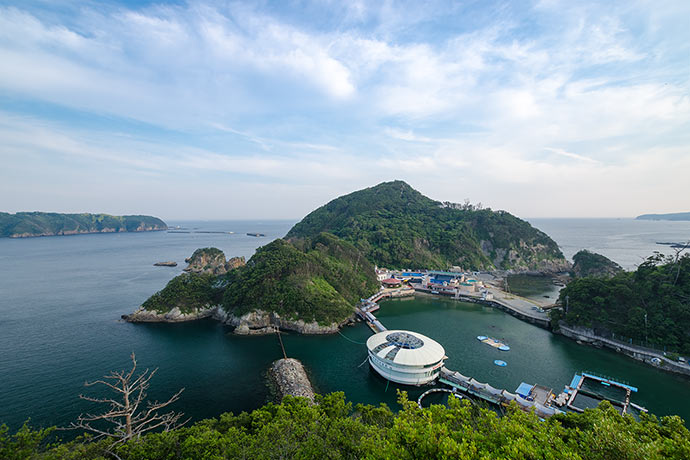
x: 315, y: 279
x: 26, y: 224
x: 332, y: 430
x: 659, y: 289
x: 397, y: 227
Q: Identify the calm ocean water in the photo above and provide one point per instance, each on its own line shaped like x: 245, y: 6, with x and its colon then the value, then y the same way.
x: 61, y: 299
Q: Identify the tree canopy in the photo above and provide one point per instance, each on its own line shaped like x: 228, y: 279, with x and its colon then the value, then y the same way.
x: 397, y: 227
x: 659, y: 290
x: 333, y: 429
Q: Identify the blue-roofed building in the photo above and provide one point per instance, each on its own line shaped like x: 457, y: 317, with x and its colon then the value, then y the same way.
x: 524, y: 390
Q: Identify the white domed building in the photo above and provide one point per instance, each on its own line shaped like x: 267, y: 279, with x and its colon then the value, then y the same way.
x: 405, y: 357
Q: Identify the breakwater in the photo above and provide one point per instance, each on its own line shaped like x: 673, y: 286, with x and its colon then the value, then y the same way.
x: 289, y: 377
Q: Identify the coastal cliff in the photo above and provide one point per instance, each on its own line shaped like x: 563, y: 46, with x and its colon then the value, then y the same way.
x: 32, y: 224
x: 588, y: 263
x: 395, y: 226
x: 260, y: 322
x: 212, y: 261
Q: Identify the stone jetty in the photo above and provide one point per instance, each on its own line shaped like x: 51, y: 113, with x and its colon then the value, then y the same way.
x: 290, y: 378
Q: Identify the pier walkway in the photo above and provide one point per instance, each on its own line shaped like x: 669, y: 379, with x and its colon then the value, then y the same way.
x: 454, y: 379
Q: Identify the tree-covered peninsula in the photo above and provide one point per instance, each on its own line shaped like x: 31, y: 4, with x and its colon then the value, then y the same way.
x: 397, y: 227
x: 310, y: 285
x: 650, y: 305
x: 333, y: 429
x: 28, y: 224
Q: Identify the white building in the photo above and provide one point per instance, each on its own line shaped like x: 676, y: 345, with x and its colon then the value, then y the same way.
x: 405, y: 357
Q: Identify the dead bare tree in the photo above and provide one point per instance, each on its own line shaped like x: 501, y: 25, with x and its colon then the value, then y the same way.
x: 129, y: 415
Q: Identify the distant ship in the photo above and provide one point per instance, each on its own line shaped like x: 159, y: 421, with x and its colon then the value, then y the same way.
x: 255, y: 234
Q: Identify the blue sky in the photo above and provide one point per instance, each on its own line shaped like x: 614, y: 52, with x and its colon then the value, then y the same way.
x: 227, y: 110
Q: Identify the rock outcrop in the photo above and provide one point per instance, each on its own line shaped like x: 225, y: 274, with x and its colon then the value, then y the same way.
x: 592, y: 264
x: 289, y: 378
x: 173, y: 316
x: 259, y: 322
x: 212, y: 260
x: 165, y: 264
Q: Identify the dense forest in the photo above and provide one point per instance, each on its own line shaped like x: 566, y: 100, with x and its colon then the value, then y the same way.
x: 397, y: 227
x: 24, y: 224
x: 650, y: 304
x: 332, y: 429
x: 314, y: 279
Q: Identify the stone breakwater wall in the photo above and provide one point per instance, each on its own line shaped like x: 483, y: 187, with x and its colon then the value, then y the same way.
x: 645, y: 355
x: 173, y: 316
x: 289, y: 378
x: 252, y: 323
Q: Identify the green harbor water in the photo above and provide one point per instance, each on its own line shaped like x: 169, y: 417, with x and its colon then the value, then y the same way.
x: 61, y: 299
x: 536, y: 355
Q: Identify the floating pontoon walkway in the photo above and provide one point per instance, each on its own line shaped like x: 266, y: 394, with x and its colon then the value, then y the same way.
x: 493, y: 395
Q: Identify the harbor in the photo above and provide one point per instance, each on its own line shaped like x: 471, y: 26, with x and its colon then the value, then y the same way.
x: 417, y: 367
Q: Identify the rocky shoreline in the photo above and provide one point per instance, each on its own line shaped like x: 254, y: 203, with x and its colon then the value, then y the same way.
x: 288, y: 377
x: 252, y: 323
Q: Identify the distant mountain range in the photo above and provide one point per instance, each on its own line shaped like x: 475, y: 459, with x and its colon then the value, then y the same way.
x: 670, y: 216
x: 28, y: 224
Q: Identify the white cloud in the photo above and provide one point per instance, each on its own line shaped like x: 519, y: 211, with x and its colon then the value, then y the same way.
x: 527, y: 100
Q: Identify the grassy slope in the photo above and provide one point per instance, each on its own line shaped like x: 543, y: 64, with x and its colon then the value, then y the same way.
x: 396, y: 226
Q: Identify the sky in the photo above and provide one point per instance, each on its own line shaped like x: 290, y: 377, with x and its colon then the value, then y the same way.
x: 267, y: 110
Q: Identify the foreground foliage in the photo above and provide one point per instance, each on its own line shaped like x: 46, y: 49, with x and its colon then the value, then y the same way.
x: 397, y: 227
x: 659, y: 290
x: 51, y: 223
x: 331, y: 429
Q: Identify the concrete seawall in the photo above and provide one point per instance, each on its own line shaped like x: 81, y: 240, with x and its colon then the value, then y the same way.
x: 638, y: 353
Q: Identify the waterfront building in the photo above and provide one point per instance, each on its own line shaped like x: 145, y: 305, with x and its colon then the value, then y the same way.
x: 405, y: 357
x: 391, y: 282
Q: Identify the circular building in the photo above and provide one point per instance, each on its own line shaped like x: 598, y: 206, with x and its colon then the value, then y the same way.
x: 405, y: 357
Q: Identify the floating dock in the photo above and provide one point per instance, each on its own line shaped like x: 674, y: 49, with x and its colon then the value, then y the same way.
x: 577, y: 398
x: 493, y: 342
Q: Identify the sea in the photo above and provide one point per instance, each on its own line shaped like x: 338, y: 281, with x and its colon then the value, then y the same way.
x: 61, y: 299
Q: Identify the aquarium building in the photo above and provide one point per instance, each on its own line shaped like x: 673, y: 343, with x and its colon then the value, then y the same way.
x: 405, y: 357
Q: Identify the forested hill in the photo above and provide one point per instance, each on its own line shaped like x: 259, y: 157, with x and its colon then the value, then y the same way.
x: 397, y: 227
x: 27, y: 224
x: 650, y: 304
x: 317, y: 280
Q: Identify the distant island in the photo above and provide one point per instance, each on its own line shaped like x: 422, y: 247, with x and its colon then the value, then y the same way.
x: 670, y: 216
x: 30, y: 224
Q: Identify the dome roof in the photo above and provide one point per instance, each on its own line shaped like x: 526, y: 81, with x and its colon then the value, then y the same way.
x: 405, y: 348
